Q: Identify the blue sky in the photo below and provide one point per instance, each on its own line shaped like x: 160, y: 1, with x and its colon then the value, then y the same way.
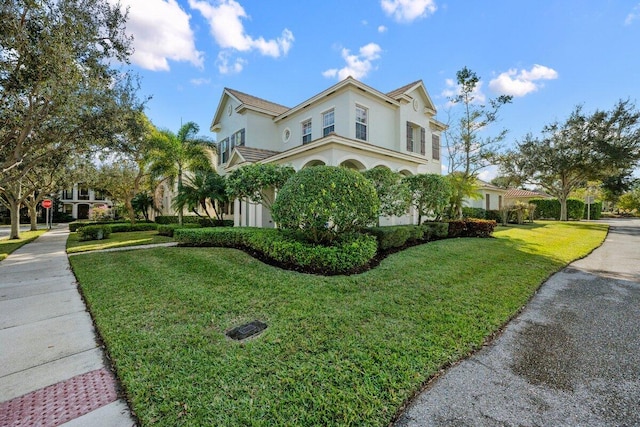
x: 550, y: 55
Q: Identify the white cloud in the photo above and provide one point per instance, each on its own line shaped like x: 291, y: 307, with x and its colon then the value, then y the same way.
x: 382, y: 29
x: 452, y: 89
x: 226, y: 26
x: 408, y: 10
x: 633, y: 15
x: 358, y: 66
x: 161, y: 32
x: 224, y: 65
x: 201, y: 81
x: 520, y: 83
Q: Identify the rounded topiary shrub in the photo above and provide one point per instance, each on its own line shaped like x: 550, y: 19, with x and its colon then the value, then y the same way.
x: 324, y: 201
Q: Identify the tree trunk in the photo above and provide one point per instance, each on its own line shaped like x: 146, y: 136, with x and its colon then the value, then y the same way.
x: 180, y: 188
x: 33, y: 215
x: 14, y: 212
x: 563, y: 207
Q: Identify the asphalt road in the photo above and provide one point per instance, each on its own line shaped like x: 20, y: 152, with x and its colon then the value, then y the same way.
x: 572, y: 358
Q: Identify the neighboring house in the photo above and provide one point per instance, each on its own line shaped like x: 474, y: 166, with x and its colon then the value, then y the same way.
x: 349, y: 124
x: 79, y: 200
x: 490, y: 197
x: 514, y: 195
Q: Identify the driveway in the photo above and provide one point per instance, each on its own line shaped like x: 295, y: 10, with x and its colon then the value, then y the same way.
x: 571, y: 358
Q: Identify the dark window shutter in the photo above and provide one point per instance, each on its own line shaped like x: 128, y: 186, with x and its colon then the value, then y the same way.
x: 233, y: 143
x: 435, y: 147
x: 219, y: 148
x: 241, y: 142
x: 409, y: 137
x: 423, y: 142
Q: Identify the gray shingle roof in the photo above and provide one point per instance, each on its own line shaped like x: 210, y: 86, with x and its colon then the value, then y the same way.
x: 254, y: 155
x: 256, y: 102
x: 396, y: 93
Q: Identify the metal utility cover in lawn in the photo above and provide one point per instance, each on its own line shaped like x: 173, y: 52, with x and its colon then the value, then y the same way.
x: 248, y: 330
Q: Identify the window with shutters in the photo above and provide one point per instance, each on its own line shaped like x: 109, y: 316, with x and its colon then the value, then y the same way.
x: 435, y: 147
x: 306, y: 131
x: 409, y: 137
x: 223, y: 151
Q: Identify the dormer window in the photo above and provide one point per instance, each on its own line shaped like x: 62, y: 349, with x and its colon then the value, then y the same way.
x: 306, y: 131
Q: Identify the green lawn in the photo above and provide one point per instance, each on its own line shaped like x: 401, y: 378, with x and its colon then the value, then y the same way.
x: 115, y: 240
x: 7, y: 246
x: 342, y: 350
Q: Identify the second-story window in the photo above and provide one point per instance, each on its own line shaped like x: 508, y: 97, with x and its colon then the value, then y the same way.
x: 328, y: 122
x: 99, y: 194
x: 223, y: 151
x: 306, y: 131
x: 67, y: 195
x: 237, y: 140
x: 83, y: 193
x: 362, y: 121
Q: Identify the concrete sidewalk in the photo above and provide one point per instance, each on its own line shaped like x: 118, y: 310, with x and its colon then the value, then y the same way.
x: 569, y: 359
x: 52, y: 369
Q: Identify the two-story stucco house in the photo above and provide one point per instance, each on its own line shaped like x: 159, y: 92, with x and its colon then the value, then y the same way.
x: 349, y: 124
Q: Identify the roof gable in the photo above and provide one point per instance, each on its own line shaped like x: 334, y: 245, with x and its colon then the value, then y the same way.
x: 245, y: 101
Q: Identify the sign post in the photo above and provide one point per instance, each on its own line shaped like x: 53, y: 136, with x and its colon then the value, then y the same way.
x: 590, y: 200
x: 46, y: 203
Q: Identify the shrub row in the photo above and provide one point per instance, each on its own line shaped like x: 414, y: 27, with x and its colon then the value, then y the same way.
x: 595, y: 208
x: 550, y: 208
x: 74, y: 226
x: 139, y: 226
x: 94, y: 232
x: 191, y: 219
x: 347, y: 254
x: 168, y: 229
x: 471, y: 227
x: 399, y: 235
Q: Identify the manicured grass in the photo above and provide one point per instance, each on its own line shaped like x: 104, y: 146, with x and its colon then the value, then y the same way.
x: 7, y: 246
x: 115, y: 240
x: 341, y: 350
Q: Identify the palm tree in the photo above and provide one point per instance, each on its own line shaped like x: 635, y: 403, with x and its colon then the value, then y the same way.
x: 178, y: 153
x: 203, y: 186
x: 462, y: 187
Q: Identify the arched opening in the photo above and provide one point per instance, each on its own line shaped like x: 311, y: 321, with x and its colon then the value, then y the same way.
x: 353, y: 164
x: 314, y: 163
x: 405, y: 172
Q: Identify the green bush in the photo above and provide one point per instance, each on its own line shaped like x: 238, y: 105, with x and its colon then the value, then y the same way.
x: 75, y: 225
x: 435, y: 230
x: 468, y: 212
x: 168, y: 229
x: 493, y: 215
x: 94, y: 232
x: 595, y: 208
x: 173, y: 219
x: 206, y: 222
x: 140, y: 226
x: 325, y: 201
x: 390, y: 237
x: 550, y: 208
x: 347, y: 253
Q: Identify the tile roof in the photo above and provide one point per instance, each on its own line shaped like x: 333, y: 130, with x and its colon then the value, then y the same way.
x: 254, y: 101
x: 514, y: 193
x: 253, y: 155
x: 396, y: 93
x: 488, y: 186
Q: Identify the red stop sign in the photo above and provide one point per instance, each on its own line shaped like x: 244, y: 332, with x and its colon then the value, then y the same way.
x: 46, y: 203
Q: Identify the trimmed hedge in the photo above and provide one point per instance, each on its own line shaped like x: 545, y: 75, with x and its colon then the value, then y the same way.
x: 550, y: 208
x: 397, y: 236
x: 126, y: 227
x: 94, y: 232
x: 173, y: 219
x: 168, y: 229
x: 349, y: 253
x: 471, y: 228
x: 595, y: 208
x: 206, y: 222
x: 75, y: 225
x: 468, y: 212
